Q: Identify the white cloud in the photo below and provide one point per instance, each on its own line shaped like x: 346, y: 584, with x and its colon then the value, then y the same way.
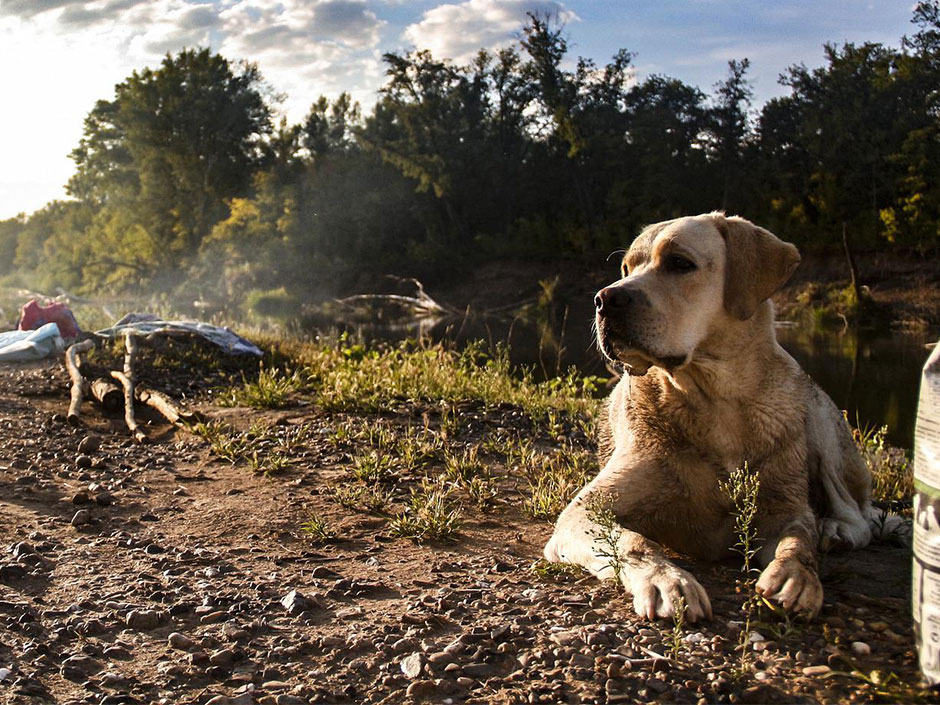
x: 458, y: 32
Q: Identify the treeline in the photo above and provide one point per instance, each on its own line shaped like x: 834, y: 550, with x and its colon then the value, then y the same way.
x: 183, y: 179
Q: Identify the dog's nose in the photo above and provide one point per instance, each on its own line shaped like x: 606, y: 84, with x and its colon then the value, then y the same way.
x: 611, y: 298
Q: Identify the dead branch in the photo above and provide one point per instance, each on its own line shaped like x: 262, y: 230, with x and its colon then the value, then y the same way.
x: 72, y: 363
x: 126, y: 378
x: 166, y: 406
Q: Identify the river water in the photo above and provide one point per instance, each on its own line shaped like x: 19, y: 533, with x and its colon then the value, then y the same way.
x: 873, y: 376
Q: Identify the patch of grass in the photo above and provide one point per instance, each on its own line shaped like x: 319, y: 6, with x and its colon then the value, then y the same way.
x: 552, y: 483
x: 431, y: 514
x: 344, y: 377
x: 372, y: 467
x: 270, y: 390
x: 224, y: 441
x: 318, y: 528
x: 368, y: 498
x: 267, y: 464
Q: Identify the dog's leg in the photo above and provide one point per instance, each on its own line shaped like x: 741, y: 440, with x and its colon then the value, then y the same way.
x: 654, y: 581
x: 791, y: 576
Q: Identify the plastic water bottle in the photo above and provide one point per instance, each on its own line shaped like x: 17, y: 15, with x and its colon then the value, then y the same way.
x: 926, y: 574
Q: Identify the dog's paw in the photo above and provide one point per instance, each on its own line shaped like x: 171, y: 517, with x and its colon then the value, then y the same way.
x: 656, y: 591
x: 793, y: 585
x: 841, y: 534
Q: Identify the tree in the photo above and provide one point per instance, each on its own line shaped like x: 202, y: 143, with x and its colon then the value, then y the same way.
x: 171, y: 147
x: 729, y: 130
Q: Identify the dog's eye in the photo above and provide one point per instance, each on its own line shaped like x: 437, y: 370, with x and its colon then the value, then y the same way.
x: 679, y: 264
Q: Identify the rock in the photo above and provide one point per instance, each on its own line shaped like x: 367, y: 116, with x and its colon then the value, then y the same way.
x: 104, y: 498
x: 412, y: 665
x: 222, y: 657
x: 860, y: 648
x: 83, y: 462
x: 12, y: 571
x: 89, y: 444
x: 81, y: 517
x: 5, y: 674
x: 180, y: 641
x: 144, y: 619
x: 422, y: 690
x: 84, y: 664
x: 285, y: 699
x: 295, y: 603
x: 480, y: 670
x: 816, y: 670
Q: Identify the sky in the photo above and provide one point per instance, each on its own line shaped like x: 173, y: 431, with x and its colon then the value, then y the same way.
x: 58, y: 57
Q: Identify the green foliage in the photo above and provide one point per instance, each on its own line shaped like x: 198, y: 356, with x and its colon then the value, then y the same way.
x: 318, y: 529
x: 891, y: 470
x: 271, y: 389
x: 606, y: 534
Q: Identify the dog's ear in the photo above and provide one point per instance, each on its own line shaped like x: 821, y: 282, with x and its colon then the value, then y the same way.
x: 757, y: 264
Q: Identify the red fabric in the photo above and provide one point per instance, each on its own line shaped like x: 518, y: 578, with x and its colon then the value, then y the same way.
x: 33, y: 316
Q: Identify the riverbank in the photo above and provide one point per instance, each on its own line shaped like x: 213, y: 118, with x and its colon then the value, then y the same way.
x: 359, y: 525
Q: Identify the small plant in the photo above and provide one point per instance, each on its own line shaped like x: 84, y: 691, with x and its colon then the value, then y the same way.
x: 460, y: 469
x: 372, y: 467
x: 431, y: 514
x: 267, y: 463
x: 369, y: 498
x: 223, y: 441
x: 318, y: 528
x: 546, y: 570
x: 678, y: 625
x: 891, y: 469
x: 607, y: 533
x: 742, y: 488
x: 482, y: 490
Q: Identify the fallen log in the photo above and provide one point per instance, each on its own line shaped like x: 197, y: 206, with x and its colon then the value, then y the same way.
x: 72, y: 364
x: 106, y: 393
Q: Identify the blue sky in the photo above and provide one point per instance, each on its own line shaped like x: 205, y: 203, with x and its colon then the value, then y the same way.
x: 57, y: 57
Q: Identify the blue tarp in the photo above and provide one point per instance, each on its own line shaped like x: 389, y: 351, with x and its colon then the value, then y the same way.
x: 20, y: 345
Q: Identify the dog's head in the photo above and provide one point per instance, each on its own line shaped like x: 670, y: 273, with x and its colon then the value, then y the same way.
x: 682, y: 281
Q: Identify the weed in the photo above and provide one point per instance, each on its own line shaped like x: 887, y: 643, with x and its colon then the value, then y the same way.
x: 372, y: 467
x: 461, y: 469
x: 678, y: 625
x: 369, y: 498
x: 482, y: 490
x: 223, y: 441
x: 546, y: 570
x: 431, y: 514
x: 267, y: 463
x: 743, y: 487
x: 891, y: 469
x: 318, y: 528
x: 607, y: 533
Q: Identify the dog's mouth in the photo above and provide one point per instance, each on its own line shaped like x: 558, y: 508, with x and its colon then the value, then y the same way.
x: 635, y: 357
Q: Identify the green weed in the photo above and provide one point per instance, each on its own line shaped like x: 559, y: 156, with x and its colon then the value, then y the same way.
x: 431, y: 514
x: 318, y: 528
x: 270, y: 390
x: 606, y: 535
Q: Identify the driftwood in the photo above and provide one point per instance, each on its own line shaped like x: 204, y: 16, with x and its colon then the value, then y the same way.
x: 78, y: 382
x: 106, y: 393
x: 127, y: 380
x: 418, y: 305
x: 166, y: 406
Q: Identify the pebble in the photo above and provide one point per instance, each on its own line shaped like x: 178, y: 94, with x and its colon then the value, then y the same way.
x: 180, y: 641
x: 816, y: 670
x: 412, y: 665
x: 89, y: 444
x: 81, y: 517
x: 421, y: 690
x: 144, y: 619
x: 860, y: 648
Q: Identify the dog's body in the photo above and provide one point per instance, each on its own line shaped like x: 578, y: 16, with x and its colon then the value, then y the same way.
x: 710, y: 389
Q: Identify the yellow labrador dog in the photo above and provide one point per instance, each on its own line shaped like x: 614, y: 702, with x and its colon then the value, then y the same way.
x: 709, y: 389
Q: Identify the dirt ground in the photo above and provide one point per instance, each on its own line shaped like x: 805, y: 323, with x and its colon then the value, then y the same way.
x: 157, y: 573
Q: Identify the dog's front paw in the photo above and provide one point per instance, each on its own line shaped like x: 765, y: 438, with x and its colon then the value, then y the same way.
x: 656, y: 591
x: 793, y: 585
